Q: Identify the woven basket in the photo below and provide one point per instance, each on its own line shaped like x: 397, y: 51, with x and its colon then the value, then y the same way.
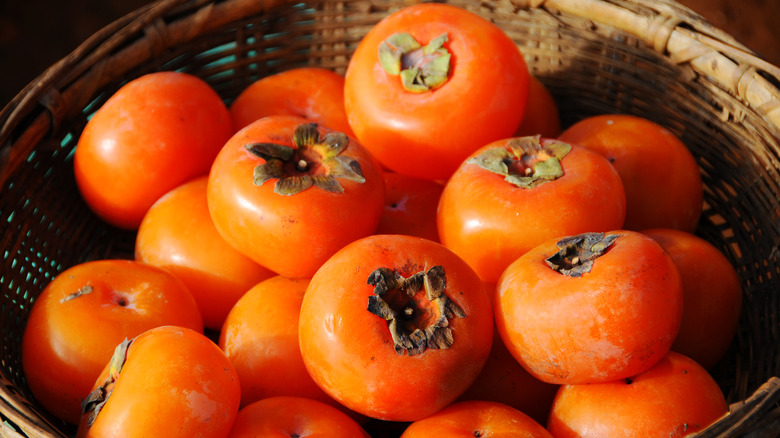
x: 651, y: 58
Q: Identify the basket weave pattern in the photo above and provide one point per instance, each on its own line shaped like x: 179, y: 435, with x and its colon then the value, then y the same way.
x: 654, y: 59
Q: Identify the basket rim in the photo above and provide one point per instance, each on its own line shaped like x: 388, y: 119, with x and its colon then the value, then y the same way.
x: 674, y: 32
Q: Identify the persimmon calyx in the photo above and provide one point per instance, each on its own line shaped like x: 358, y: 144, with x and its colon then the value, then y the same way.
x: 416, y: 308
x: 524, y: 161
x: 421, y: 68
x: 311, y: 161
x: 84, y: 290
x: 96, y: 399
x: 577, y: 253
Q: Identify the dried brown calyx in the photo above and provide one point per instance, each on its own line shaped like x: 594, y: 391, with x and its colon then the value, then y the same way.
x: 416, y: 308
x: 314, y: 161
x: 421, y: 68
x: 96, y: 399
x: 577, y: 253
x: 524, y: 161
x: 84, y: 290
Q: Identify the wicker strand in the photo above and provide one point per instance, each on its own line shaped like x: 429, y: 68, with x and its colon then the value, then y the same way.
x: 699, y: 51
x: 80, y: 91
x: 30, y: 422
x: 765, y: 399
x: 660, y: 31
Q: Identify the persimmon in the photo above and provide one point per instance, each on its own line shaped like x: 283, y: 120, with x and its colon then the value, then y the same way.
x: 288, y: 193
x: 395, y: 327
x: 288, y: 416
x: 674, y: 398
x: 504, y: 380
x: 712, y: 294
x: 178, y: 235
x: 169, y: 382
x: 541, y: 114
x: 81, y: 316
x: 423, y: 89
x: 314, y: 93
x: 590, y: 308
x: 660, y: 174
x: 477, y: 418
x: 410, y: 206
x: 260, y: 337
x: 152, y: 135
x: 513, y: 194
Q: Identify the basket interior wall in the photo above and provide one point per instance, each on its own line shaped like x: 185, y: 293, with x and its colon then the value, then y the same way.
x: 46, y: 227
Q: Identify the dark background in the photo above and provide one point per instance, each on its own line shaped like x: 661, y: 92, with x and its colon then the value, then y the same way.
x: 34, y: 34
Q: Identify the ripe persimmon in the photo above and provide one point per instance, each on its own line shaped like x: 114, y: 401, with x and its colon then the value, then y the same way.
x: 153, y: 134
x: 288, y: 193
x: 504, y: 380
x: 674, y: 398
x: 260, y: 337
x: 661, y: 176
x: 395, y: 327
x: 81, y: 316
x: 590, y: 308
x: 516, y: 193
x: 410, y: 206
x: 168, y: 382
x: 178, y: 235
x: 541, y: 114
x: 712, y: 294
x: 314, y: 93
x: 423, y: 89
x: 288, y: 416
x: 477, y: 418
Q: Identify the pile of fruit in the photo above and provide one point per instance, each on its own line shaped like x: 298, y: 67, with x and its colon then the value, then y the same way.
x: 414, y: 247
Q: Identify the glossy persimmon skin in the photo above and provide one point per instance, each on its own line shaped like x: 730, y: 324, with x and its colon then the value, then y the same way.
x: 541, y: 114
x: 349, y: 350
x: 155, y: 133
x: 264, y: 349
x: 674, y: 398
x: 287, y: 416
x: 712, y: 295
x: 314, y: 93
x: 427, y: 135
x: 410, y: 206
x: 178, y: 235
x: 613, y: 322
x: 490, y: 223
x: 68, y: 340
x: 290, y: 235
x: 661, y: 176
x: 477, y: 418
x: 175, y: 382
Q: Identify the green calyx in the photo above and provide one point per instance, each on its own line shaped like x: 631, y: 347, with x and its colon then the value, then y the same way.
x: 421, y: 68
x: 524, y: 161
x: 313, y: 161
